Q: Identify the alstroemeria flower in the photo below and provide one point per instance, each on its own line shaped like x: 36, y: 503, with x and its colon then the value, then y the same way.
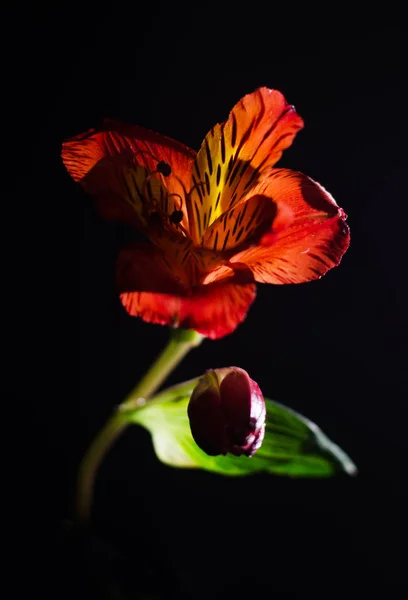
x: 218, y: 221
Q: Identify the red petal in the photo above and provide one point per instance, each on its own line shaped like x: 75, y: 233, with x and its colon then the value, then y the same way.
x: 113, y: 162
x: 216, y: 309
x: 234, y: 153
x: 148, y: 289
x: 310, y: 244
x: 144, y: 267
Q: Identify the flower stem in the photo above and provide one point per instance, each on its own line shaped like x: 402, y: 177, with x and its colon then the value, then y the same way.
x: 91, y: 461
x: 181, y: 342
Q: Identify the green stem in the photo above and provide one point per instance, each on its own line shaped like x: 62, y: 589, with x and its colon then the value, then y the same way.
x: 181, y: 342
x: 91, y: 461
x: 180, y: 389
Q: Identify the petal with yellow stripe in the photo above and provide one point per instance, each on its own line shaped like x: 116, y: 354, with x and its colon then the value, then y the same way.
x: 236, y: 152
x: 243, y: 224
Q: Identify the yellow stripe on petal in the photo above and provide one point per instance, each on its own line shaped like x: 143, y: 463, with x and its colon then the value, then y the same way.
x: 124, y: 180
x: 145, y: 194
x: 235, y: 153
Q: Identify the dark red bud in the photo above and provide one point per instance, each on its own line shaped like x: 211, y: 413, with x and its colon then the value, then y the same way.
x: 227, y: 413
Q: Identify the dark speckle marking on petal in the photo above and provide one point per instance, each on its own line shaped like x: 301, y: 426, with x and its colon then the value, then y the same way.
x: 232, y: 201
x: 197, y: 211
x: 207, y: 183
x: 239, y: 234
x: 218, y: 177
x: 234, y: 173
x: 262, y: 111
x: 209, y: 215
x: 234, y: 130
x: 235, y: 227
x: 279, y: 140
x: 252, y: 218
x: 209, y: 160
x: 244, y: 168
x: 252, y: 178
x: 255, y: 173
x: 215, y: 241
x: 318, y: 258
x: 245, y: 136
x: 275, y: 124
x: 243, y: 211
x: 225, y: 241
x: 217, y: 201
x: 205, y: 216
x: 229, y: 168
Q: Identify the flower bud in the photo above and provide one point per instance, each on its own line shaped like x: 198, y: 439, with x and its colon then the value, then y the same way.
x: 227, y: 413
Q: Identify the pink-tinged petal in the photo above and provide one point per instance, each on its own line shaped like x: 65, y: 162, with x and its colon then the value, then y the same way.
x: 227, y: 413
x: 236, y: 152
x: 214, y: 310
x: 115, y: 164
x: 312, y: 241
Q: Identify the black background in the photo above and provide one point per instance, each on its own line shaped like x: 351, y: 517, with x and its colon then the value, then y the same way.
x: 335, y: 349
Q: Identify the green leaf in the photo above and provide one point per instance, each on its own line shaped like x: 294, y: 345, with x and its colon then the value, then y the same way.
x: 292, y: 446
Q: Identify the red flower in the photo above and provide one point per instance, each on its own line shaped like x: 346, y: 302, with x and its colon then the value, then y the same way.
x: 227, y: 413
x: 218, y: 221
